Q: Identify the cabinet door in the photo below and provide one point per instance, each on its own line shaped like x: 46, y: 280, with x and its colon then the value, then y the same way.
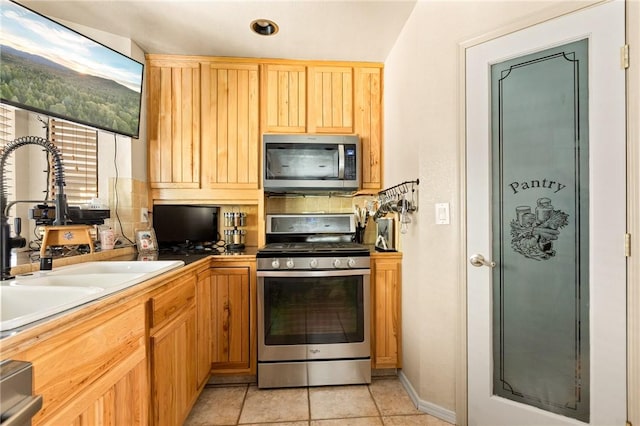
x: 386, y: 278
x: 368, y: 124
x: 230, y: 126
x: 285, y: 97
x: 231, y: 319
x: 124, y: 402
x: 330, y: 99
x: 204, y: 326
x: 172, y: 349
x: 96, y: 368
x: 173, y: 376
x: 174, y: 124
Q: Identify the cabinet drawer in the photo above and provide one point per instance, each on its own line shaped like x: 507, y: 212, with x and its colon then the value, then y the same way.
x: 179, y: 295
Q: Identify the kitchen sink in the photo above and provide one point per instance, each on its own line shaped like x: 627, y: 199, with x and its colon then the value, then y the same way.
x: 25, y: 304
x: 32, y: 297
x: 113, y: 267
x: 102, y: 281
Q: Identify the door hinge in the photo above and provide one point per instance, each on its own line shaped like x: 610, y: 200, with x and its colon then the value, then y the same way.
x: 627, y: 245
x: 624, y: 56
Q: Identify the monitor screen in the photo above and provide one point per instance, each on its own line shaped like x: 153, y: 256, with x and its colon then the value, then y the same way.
x: 51, y: 69
x: 179, y: 224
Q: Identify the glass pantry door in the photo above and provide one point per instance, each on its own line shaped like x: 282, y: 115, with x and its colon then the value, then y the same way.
x: 545, y: 223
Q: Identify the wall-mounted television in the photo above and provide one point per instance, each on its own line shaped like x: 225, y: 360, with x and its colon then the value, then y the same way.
x: 51, y: 69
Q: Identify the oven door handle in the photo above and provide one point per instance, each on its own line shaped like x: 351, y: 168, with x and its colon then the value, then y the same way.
x: 321, y: 274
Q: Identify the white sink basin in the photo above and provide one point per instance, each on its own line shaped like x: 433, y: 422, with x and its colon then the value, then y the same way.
x: 153, y: 268
x: 22, y: 305
x: 101, y: 281
x: 32, y: 297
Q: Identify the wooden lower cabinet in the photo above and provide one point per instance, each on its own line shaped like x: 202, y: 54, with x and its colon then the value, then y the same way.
x: 386, y: 278
x: 94, y: 372
x: 123, y: 403
x: 233, y: 302
x: 174, y: 384
x: 172, y: 349
x: 204, y: 326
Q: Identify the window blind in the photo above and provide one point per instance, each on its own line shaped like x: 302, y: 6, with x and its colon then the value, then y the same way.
x: 7, y: 134
x: 79, y: 148
x: 6, y: 124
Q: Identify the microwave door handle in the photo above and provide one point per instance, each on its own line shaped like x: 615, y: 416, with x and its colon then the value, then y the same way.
x: 341, y: 161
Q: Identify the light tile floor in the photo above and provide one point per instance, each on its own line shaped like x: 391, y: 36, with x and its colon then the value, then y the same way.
x: 383, y: 402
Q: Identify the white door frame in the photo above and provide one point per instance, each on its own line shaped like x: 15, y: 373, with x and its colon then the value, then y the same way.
x: 633, y: 200
x: 633, y: 213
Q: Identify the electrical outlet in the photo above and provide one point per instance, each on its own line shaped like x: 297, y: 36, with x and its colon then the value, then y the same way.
x: 144, y: 214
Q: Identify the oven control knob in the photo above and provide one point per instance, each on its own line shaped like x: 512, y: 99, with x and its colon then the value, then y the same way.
x: 275, y: 264
x: 313, y: 263
x: 337, y: 263
x: 290, y: 263
x: 351, y: 263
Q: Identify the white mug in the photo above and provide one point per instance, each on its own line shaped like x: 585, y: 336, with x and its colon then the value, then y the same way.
x: 107, y: 239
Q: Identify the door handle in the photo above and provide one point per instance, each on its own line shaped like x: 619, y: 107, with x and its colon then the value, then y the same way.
x: 478, y: 260
x: 21, y: 413
x: 341, y: 161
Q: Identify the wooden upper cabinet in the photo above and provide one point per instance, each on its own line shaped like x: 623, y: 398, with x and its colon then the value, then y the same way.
x: 330, y: 99
x: 174, y: 124
x: 230, y: 125
x: 206, y: 117
x: 285, y: 98
x: 368, y: 124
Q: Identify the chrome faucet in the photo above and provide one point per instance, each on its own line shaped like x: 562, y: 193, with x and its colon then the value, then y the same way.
x: 6, y: 241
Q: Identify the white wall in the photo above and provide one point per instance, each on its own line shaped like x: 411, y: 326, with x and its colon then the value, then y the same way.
x: 131, y: 159
x: 422, y: 76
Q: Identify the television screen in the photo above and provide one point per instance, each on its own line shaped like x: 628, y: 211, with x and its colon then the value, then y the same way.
x: 50, y: 69
x: 179, y: 223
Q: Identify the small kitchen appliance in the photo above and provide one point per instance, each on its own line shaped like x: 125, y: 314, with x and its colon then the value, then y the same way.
x: 313, y: 303
x: 304, y: 162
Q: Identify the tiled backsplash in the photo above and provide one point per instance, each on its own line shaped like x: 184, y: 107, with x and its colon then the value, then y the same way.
x: 320, y: 204
x: 131, y: 196
x: 126, y: 199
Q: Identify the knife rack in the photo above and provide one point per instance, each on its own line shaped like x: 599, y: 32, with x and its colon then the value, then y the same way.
x: 394, y: 199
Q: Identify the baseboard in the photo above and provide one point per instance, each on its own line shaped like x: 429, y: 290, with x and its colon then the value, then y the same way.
x: 425, y: 406
x: 231, y: 380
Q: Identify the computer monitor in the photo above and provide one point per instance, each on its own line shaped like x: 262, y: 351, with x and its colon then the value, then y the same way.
x: 185, y: 224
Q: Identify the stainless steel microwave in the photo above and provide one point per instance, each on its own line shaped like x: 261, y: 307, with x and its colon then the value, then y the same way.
x: 304, y: 162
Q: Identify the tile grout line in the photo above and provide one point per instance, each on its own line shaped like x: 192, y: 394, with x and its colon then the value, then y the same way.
x: 375, y: 403
x: 244, y: 399
x: 308, y: 407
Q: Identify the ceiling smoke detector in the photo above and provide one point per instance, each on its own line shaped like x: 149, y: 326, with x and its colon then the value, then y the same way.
x: 264, y: 27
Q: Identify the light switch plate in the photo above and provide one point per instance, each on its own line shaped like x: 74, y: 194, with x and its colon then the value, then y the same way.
x: 442, y: 213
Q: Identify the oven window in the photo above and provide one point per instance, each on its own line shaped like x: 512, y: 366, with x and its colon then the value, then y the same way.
x: 313, y: 310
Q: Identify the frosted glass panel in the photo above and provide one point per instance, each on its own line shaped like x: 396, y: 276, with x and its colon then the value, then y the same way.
x: 541, y: 229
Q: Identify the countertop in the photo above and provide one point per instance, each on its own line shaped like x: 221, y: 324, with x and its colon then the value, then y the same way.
x: 30, y: 261
x: 130, y: 253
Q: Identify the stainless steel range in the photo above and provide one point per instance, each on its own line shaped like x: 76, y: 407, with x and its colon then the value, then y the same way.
x: 313, y: 303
